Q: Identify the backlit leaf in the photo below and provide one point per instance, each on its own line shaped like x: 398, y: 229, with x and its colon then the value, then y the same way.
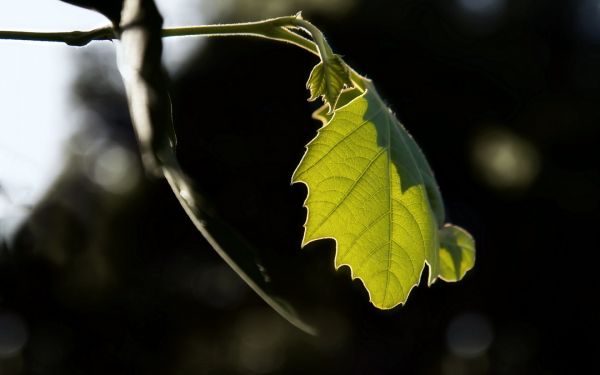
x: 327, y: 80
x: 457, y: 253
x: 372, y: 190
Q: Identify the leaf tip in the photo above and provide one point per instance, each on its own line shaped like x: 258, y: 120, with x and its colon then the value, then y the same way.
x: 456, y: 253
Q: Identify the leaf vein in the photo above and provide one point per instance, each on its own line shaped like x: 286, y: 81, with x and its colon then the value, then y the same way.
x: 342, y: 140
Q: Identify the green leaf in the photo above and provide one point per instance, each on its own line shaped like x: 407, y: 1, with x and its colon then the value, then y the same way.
x: 372, y: 190
x: 327, y: 80
x: 457, y: 252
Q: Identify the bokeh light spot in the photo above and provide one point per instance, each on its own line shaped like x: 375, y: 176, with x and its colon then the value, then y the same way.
x: 114, y: 168
x: 505, y: 160
x: 479, y: 16
x: 482, y: 7
x: 469, y: 335
x: 260, y: 347
x: 587, y: 20
x: 13, y: 335
x: 218, y: 286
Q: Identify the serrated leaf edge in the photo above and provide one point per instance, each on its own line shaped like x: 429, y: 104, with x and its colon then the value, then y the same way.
x: 336, y: 265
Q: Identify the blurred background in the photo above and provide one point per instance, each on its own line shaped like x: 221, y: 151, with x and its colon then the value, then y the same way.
x: 102, y: 272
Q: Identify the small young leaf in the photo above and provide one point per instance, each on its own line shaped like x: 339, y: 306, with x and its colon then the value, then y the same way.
x: 372, y: 190
x: 327, y: 80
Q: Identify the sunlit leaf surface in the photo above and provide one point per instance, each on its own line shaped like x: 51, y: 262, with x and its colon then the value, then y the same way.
x: 372, y: 190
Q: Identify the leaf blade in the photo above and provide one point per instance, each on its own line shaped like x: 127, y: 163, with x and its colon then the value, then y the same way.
x: 372, y: 190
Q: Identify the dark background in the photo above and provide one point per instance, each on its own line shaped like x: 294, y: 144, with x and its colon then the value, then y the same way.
x: 503, y: 100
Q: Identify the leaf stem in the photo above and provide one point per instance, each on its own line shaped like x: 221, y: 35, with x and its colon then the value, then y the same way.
x: 278, y: 29
x: 324, y: 49
x: 275, y: 29
x: 72, y: 38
